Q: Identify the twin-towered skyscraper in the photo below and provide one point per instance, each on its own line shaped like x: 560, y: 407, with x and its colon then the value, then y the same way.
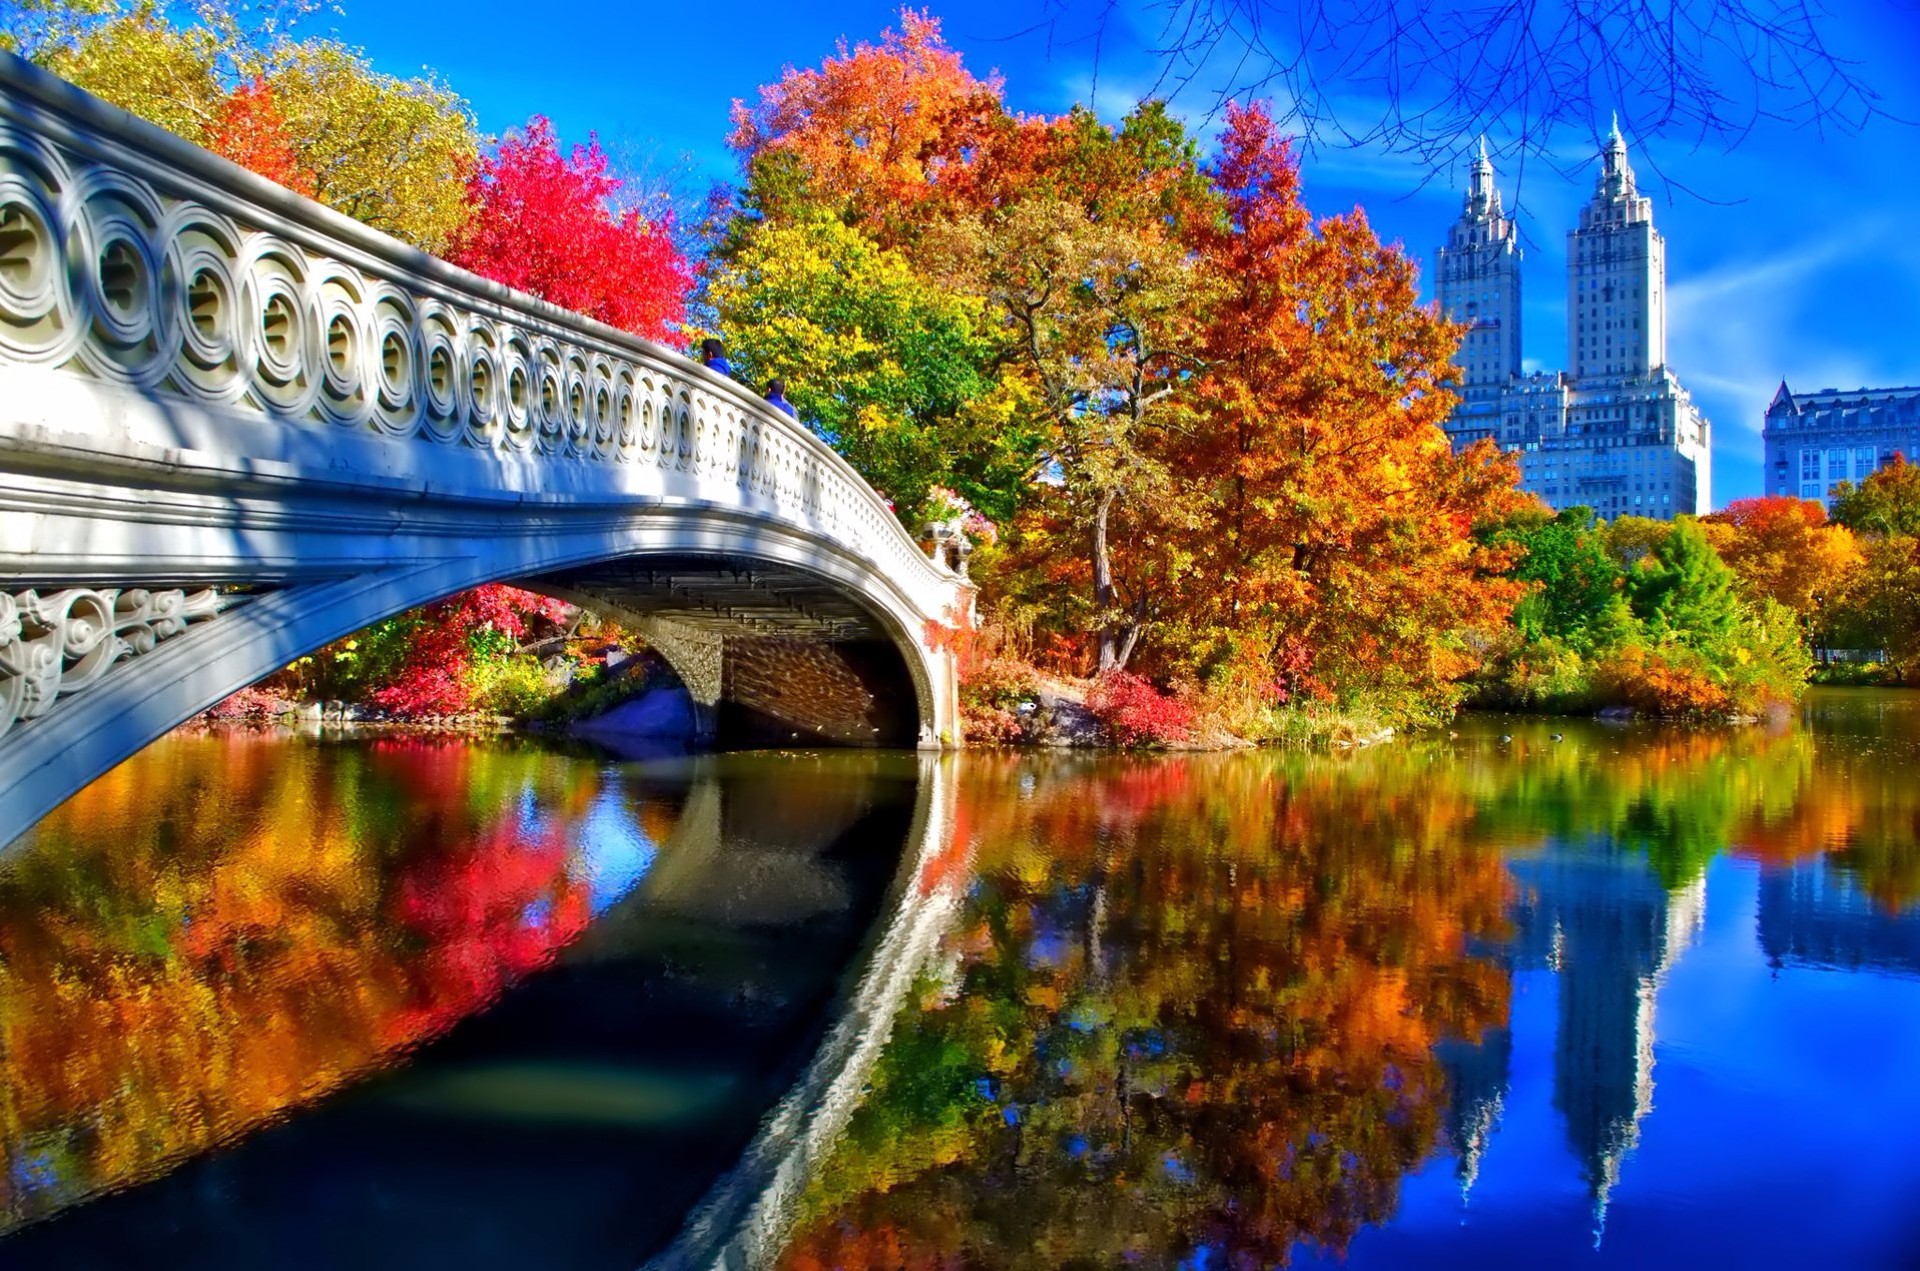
x: 1617, y: 432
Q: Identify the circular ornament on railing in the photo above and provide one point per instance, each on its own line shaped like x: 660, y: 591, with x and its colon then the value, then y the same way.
x: 600, y: 433
x: 656, y: 407
x: 281, y: 327
x: 576, y: 404
x: 344, y: 342
x: 443, y: 379
x: 483, y: 384
x: 677, y: 446
x: 516, y: 361
x: 395, y: 366
x: 36, y: 310
x: 201, y: 248
x: 626, y: 429
x: 549, y: 413
x: 113, y: 249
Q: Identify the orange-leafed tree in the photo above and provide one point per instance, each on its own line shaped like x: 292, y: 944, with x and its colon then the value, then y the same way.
x: 1784, y: 548
x: 1337, y: 544
x: 878, y: 130
x: 248, y: 128
x: 549, y: 224
x: 1100, y: 303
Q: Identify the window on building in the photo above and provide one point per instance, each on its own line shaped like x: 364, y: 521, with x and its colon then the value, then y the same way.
x: 1809, y: 466
x: 1865, y: 460
x: 1836, y: 465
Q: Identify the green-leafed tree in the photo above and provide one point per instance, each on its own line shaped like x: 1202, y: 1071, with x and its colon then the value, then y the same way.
x: 1681, y: 589
x: 1886, y: 502
x: 1577, y: 592
x: 887, y: 364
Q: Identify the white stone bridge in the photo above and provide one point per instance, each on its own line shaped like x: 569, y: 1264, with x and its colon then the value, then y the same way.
x: 236, y: 425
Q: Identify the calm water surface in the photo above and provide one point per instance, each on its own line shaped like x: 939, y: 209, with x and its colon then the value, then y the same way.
x: 1632, y: 997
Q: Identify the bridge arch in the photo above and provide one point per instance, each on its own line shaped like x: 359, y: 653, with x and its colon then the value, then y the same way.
x: 235, y: 425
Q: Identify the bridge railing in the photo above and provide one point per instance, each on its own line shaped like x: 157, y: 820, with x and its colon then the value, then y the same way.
x: 142, y: 263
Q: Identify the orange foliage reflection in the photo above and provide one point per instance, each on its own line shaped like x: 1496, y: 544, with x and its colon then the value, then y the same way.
x: 226, y: 927
x: 1196, y: 1002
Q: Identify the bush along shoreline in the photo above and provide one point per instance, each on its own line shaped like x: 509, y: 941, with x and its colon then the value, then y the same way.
x: 486, y: 660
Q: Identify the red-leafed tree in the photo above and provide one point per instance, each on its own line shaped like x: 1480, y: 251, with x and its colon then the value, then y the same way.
x: 249, y: 129
x: 550, y: 224
x: 432, y: 679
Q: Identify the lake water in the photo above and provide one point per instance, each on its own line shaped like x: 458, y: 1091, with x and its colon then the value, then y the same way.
x: 1535, y: 993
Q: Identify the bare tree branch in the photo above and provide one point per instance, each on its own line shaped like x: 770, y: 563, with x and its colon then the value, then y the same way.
x: 1425, y: 79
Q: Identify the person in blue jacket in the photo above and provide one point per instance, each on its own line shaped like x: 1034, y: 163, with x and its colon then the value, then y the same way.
x: 777, y: 398
x: 713, y: 356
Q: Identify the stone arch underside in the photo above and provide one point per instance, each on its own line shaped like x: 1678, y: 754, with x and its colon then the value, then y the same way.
x: 768, y: 654
x: 833, y: 600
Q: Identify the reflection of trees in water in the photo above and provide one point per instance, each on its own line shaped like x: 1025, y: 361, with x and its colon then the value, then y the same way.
x: 1228, y: 1003
x: 225, y: 927
x: 1681, y: 796
x: 1195, y: 1004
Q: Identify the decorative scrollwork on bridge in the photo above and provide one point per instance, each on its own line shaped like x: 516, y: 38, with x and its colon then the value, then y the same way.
x: 55, y: 645
x: 129, y: 258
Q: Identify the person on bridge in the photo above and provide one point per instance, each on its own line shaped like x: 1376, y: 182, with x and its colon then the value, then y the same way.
x: 713, y: 356
x: 777, y: 398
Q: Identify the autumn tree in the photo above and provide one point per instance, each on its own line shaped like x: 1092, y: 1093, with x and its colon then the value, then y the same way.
x: 392, y: 153
x: 549, y: 224
x: 423, y: 661
x: 878, y: 129
x: 1336, y: 546
x: 1886, y: 502
x: 132, y: 58
x: 1783, y: 548
x: 1101, y: 318
x: 249, y: 129
x: 891, y: 367
x: 1882, y: 609
x: 1099, y: 305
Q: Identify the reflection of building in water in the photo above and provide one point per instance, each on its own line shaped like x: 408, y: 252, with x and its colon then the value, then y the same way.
x: 1599, y: 918
x: 1816, y: 916
x: 1477, y: 1085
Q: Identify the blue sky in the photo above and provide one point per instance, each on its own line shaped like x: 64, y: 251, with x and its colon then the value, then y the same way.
x: 1795, y: 255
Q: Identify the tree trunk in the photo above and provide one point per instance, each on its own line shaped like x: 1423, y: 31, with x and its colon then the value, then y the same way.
x: 1103, y: 585
x: 1134, y: 628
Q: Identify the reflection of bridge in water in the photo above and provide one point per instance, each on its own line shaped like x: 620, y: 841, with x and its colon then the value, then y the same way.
x: 748, y: 954
x: 235, y: 425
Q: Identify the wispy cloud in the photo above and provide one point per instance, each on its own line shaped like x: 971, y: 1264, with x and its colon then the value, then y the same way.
x: 1710, y: 294
x: 1738, y: 329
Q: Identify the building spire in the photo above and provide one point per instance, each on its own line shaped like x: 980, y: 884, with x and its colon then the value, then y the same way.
x: 1616, y: 177
x: 1483, y: 197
